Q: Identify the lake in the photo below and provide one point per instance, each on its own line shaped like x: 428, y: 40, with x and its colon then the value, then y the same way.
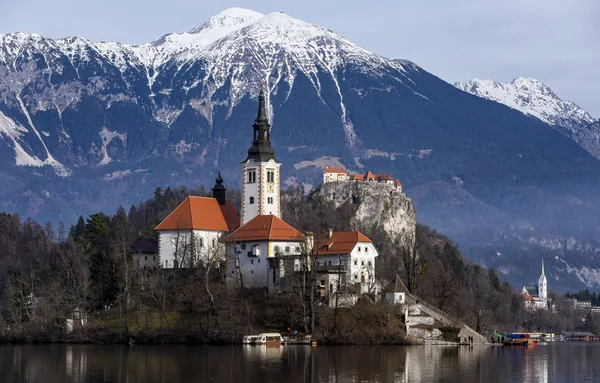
x: 551, y: 362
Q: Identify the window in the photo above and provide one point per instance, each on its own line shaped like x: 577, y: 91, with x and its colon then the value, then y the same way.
x: 251, y: 176
x: 146, y: 258
x: 259, y: 260
x: 270, y: 176
x: 201, y: 242
x: 154, y: 258
x: 322, y: 282
x: 276, y: 249
x: 362, y: 263
x: 252, y: 261
x: 251, y: 200
x: 287, y: 249
x: 166, y: 263
x: 355, y: 262
x: 329, y: 263
x: 366, y: 249
x: 369, y: 263
x: 252, y: 272
x: 297, y: 249
x: 176, y: 264
x: 355, y: 276
x: 359, y: 249
x: 243, y: 246
x: 214, y: 242
x: 270, y: 200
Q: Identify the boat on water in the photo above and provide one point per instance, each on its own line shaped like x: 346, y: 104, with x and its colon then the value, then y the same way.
x: 250, y: 339
x: 518, y: 340
x: 270, y: 339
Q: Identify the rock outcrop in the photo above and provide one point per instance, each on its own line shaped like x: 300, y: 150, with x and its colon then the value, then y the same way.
x: 378, y: 203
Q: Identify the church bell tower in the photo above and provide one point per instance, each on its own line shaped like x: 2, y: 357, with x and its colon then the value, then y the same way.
x: 260, y: 170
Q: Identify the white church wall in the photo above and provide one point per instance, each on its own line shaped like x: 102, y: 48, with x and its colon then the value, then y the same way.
x: 175, y: 248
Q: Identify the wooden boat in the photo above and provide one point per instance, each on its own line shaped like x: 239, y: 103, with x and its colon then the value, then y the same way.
x: 270, y: 339
x: 249, y: 339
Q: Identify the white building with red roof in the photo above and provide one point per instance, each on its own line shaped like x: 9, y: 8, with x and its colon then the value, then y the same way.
x: 191, y: 235
x: 345, y: 260
x: 256, y: 249
x: 335, y: 174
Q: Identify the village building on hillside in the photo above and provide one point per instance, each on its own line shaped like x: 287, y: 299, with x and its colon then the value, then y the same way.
x: 144, y: 252
x: 345, y: 259
x: 339, y: 174
x: 191, y: 235
x: 536, y: 297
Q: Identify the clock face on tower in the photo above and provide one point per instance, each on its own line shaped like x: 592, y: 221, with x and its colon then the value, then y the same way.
x: 270, y: 187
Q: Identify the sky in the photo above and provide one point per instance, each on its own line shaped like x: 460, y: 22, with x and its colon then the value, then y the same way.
x: 555, y: 41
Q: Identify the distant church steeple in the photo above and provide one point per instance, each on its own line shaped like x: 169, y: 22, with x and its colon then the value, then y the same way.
x: 543, y: 284
x: 261, y: 150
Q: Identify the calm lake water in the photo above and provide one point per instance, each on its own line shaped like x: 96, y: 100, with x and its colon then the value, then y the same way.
x: 552, y: 362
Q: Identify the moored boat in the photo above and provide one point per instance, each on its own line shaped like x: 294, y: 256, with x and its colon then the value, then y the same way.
x: 518, y: 340
x: 270, y: 339
x: 250, y: 339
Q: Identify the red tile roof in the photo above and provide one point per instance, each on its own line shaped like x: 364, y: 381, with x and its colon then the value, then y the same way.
x: 357, y: 177
x: 265, y: 228
x: 368, y: 175
x: 341, y: 242
x: 384, y: 177
x: 528, y: 298
x: 334, y: 170
x: 397, y: 182
x: 201, y: 213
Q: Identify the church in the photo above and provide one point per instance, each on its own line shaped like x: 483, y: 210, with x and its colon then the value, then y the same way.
x: 258, y: 247
x: 536, y: 297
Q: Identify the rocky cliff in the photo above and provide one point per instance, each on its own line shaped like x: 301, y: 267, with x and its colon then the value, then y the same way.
x: 378, y: 203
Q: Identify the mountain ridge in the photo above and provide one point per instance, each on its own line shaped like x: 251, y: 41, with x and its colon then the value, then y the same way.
x: 532, y: 97
x: 122, y: 123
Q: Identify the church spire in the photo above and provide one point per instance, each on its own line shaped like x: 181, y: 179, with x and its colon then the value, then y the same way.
x: 261, y: 150
x: 543, y: 267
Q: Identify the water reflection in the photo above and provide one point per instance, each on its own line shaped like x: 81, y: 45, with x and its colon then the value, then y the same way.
x: 559, y: 362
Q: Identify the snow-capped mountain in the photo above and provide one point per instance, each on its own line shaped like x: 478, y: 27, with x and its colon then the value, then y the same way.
x: 534, y: 98
x: 85, y: 126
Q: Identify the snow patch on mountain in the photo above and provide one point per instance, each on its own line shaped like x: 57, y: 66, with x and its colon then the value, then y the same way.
x: 320, y: 163
x: 529, y: 96
x: 588, y: 276
x: 107, y: 136
x: 10, y: 129
x: 534, y: 98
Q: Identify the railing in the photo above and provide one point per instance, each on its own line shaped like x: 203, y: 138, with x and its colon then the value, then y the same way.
x: 331, y: 268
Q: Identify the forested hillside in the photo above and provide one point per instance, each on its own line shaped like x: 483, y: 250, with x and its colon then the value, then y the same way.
x: 46, y: 272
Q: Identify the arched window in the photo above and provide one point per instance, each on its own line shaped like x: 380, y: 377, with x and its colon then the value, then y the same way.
x: 175, y: 264
x: 251, y: 200
x: 201, y: 242
x: 214, y: 242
